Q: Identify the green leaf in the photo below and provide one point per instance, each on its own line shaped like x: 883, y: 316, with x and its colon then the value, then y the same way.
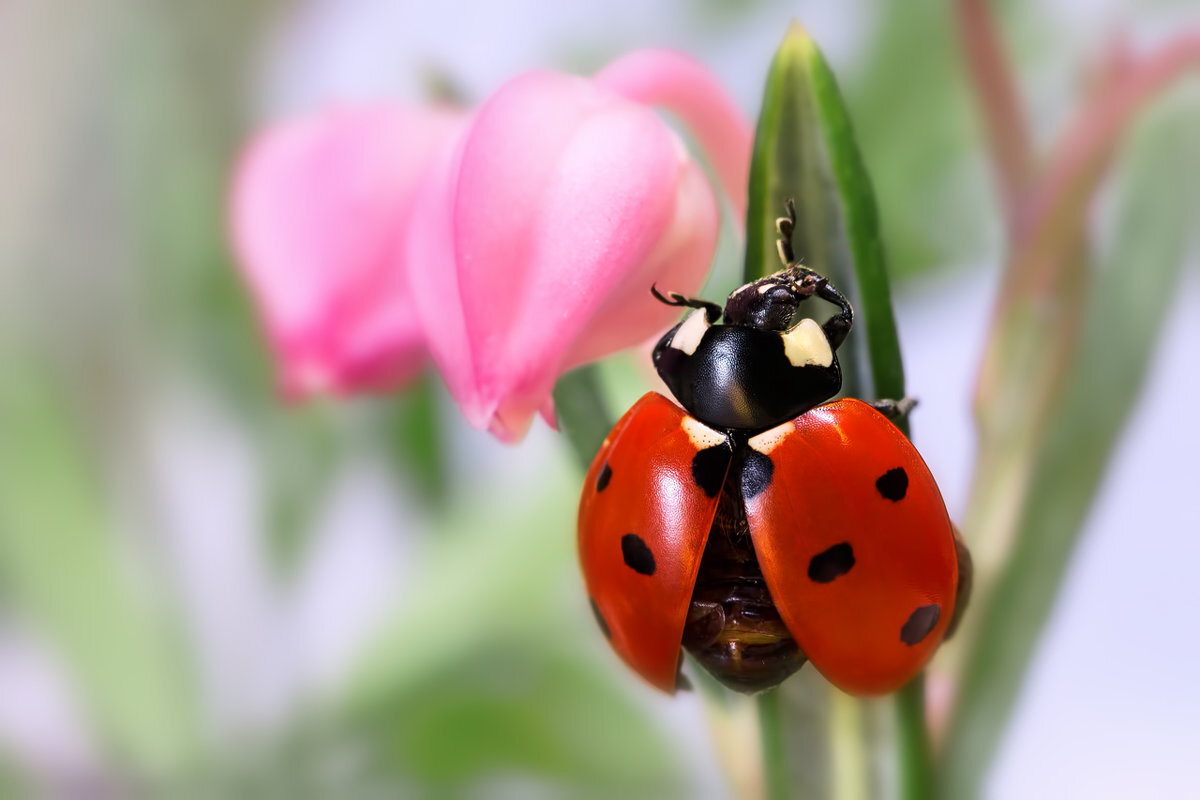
x: 1130, y: 288
x: 582, y: 412
x: 915, y: 126
x: 413, y: 423
x: 805, y: 148
x: 523, y: 707
x: 485, y: 576
x: 485, y: 672
x: 61, y: 564
x: 301, y: 453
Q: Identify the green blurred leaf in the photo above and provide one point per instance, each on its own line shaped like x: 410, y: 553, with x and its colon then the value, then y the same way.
x: 485, y: 577
x: 1130, y: 291
x: 11, y: 780
x: 413, y: 420
x: 916, y: 130
x: 805, y: 148
x: 523, y: 708
x: 583, y: 415
x: 63, y: 566
x: 301, y: 453
x: 484, y: 671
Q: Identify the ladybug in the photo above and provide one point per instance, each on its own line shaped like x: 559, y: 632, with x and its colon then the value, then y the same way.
x: 763, y: 524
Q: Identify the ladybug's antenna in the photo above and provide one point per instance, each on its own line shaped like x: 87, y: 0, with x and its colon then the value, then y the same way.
x: 786, y: 226
x: 712, y: 311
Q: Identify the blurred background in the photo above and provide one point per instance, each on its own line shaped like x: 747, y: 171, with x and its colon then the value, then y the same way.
x: 202, y: 587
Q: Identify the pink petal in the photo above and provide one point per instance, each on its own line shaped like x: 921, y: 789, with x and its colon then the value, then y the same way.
x: 557, y: 200
x: 686, y: 88
x: 318, y: 205
x: 679, y: 262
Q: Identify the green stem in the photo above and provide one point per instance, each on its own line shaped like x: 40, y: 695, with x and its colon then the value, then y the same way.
x: 912, y: 739
x: 770, y: 722
x: 583, y: 416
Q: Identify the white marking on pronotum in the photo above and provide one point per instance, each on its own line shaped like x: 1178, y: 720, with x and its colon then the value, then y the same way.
x: 688, y: 337
x: 767, y: 441
x: 745, y: 287
x: 700, y: 434
x: 766, y: 287
x: 806, y: 344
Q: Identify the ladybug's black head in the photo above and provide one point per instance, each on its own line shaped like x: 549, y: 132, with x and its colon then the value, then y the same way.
x: 765, y: 364
x: 770, y: 303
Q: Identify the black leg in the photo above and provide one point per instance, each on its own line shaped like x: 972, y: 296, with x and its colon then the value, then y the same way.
x: 808, y: 283
x: 895, y: 409
x: 966, y: 580
x: 838, y: 326
x: 712, y: 311
x: 786, y: 226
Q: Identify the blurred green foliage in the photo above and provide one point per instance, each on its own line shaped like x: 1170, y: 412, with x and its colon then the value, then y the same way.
x: 61, y: 566
x: 911, y: 109
x: 1127, y: 302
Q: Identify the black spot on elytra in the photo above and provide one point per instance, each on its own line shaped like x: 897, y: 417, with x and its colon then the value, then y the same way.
x: 893, y: 484
x: 709, y: 467
x: 920, y: 623
x: 604, y: 477
x: 637, y: 555
x: 600, y: 619
x: 757, y: 470
x: 831, y: 564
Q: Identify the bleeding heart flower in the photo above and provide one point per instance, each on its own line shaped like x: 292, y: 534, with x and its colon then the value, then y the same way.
x: 538, y: 230
x: 319, y: 207
x: 535, y: 240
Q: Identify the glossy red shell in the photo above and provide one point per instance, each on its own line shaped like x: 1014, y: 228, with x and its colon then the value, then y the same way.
x: 863, y: 575
x: 650, y: 493
x: 824, y: 494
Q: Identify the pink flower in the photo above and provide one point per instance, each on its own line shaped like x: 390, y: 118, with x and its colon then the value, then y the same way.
x: 319, y: 207
x: 536, y: 238
x: 514, y: 246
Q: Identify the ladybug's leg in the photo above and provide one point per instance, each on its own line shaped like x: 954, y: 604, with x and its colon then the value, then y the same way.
x: 682, y: 684
x: 895, y: 409
x: 837, y: 326
x: 712, y: 311
x: 805, y: 283
x: 966, y: 580
x: 785, y: 226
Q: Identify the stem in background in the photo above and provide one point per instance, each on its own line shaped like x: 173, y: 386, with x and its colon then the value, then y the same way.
x: 848, y: 742
x: 1007, y: 131
x: 770, y: 720
x: 912, y: 735
x: 583, y: 416
x: 1081, y: 156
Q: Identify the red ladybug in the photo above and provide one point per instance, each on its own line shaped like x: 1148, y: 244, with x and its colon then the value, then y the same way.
x: 760, y: 526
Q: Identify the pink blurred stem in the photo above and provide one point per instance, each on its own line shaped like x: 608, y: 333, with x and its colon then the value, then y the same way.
x: 1007, y: 130
x: 1080, y: 157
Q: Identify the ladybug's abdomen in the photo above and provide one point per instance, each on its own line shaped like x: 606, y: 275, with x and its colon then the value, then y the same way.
x: 733, y: 628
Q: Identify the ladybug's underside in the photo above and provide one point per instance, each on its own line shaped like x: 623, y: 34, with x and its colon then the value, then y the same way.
x: 733, y: 628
